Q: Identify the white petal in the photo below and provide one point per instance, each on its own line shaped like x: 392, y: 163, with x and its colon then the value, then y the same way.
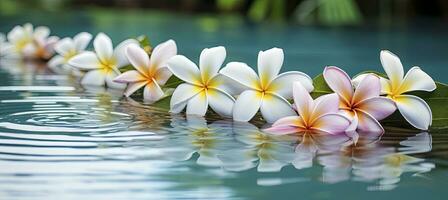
x: 41, y: 32
x: 369, y: 87
x: 332, y: 123
x: 241, y: 73
x: 130, y: 77
x: 226, y: 84
x: 181, y: 95
x: 274, y: 107
x: 56, y: 62
x: 103, y: 47
x: 184, y: 69
x: 132, y: 87
x: 198, y: 104
x: 282, y: 85
x: 94, y: 77
x: 162, y: 53
x: 392, y: 66
x: 415, y: 110
x: 246, y: 105
x: 339, y: 81
x: 368, y: 124
x: 210, y: 61
x: 163, y: 74
x: 385, y: 83
x: 325, y: 104
x: 81, y: 41
x: 64, y: 46
x: 110, y: 81
x: 221, y: 102
x: 378, y: 107
x: 152, y: 92
x: 269, y: 64
x: 417, y: 79
x: 138, y: 58
x: 86, y: 61
x: 120, y: 52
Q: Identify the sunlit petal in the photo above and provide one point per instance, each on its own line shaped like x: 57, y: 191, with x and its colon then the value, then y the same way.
x: 369, y: 87
x: 241, y: 73
x: 129, y: 77
x: 152, y: 92
x: 269, y: 64
x: 339, y: 82
x: 274, y: 107
x: 247, y: 105
x: 282, y: 84
x: 94, y: 77
x: 162, y: 53
x: 81, y: 41
x: 184, y: 69
x: 103, y: 47
x: 198, y: 104
x: 181, y: 95
x: 220, y: 102
x: 138, y: 58
x: 210, y: 61
x: 378, y: 107
x: 393, y: 67
x: 331, y: 123
x: 85, y: 61
x: 415, y: 110
x: 417, y: 79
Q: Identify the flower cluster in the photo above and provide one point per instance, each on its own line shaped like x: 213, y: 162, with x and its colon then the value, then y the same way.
x: 235, y: 90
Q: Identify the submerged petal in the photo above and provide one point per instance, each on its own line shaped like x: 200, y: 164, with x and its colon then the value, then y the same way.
x: 242, y: 74
x: 184, y: 69
x: 269, y: 64
x: 198, y: 104
x: 220, y: 102
x: 103, y: 47
x: 393, y: 67
x: 415, y: 110
x: 274, y: 107
x: 282, y: 84
x: 210, y: 61
x: 417, y: 79
x: 339, y: 82
x: 247, y: 105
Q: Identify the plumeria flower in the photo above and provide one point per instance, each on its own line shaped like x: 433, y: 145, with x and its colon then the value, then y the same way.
x: 319, y: 115
x: 18, y: 38
x: 103, y: 64
x: 268, y: 91
x: 68, y: 48
x: 204, y: 86
x: 414, y: 109
x: 150, y: 73
x: 363, y: 105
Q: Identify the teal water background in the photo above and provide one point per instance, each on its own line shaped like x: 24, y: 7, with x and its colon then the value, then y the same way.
x: 59, y: 140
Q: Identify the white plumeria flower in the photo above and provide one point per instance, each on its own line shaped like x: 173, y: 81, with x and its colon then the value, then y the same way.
x: 68, y: 48
x: 268, y: 91
x: 151, y: 73
x: 414, y: 109
x: 18, y: 38
x: 204, y: 86
x: 103, y: 64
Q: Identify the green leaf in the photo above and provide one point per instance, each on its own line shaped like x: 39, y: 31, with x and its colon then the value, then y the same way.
x: 126, y: 68
x: 173, y: 82
x: 320, y: 87
x: 144, y: 41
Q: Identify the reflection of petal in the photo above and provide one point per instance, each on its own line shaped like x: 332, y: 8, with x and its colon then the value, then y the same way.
x: 419, y: 143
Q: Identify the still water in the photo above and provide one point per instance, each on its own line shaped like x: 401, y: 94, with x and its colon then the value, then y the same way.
x: 59, y: 140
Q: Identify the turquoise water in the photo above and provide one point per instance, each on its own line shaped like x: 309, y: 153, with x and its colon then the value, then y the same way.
x: 59, y: 140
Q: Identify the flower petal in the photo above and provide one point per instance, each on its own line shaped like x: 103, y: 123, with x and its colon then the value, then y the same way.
x: 415, y: 110
x: 120, y: 52
x: 393, y: 67
x: 282, y: 84
x: 417, y: 79
x: 221, y: 102
x: 303, y: 101
x: 242, y: 74
x: 130, y: 77
x: 56, y: 62
x: 368, y: 124
x: 132, y: 87
x: 41, y: 32
x: 331, y: 123
x: 103, y: 47
x: 198, y: 104
x: 210, y: 61
x: 269, y: 64
x: 162, y: 76
x: 162, y: 53
x: 64, y: 46
x: 339, y: 82
x: 94, y: 77
x: 81, y: 41
x: 110, y: 81
x: 385, y: 83
x: 226, y: 84
x: 286, y: 125
x: 369, y: 87
x: 274, y: 107
x: 378, y: 107
x: 138, y: 58
x: 152, y: 92
x: 181, y: 95
x: 85, y: 61
x: 246, y: 105
x: 325, y: 104
x: 184, y: 69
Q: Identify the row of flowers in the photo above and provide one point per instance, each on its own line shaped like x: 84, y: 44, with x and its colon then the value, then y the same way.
x: 235, y: 90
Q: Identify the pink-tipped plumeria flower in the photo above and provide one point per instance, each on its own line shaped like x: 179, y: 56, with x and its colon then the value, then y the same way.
x: 268, y: 91
x: 319, y: 115
x: 103, y: 64
x: 363, y: 105
x: 67, y: 48
x: 414, y: 109
x: 203, y: 86
x: 150, y: 73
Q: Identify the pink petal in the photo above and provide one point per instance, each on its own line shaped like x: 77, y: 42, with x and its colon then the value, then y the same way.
x: 286, y: 125
x: 339, y: 82
x: 369, y: 87
x: 378, y: 107
x: 138, y: 58
x: 325, y: 104
x: 331, y: 123
x: 368, y: 124
x: 303, y: 101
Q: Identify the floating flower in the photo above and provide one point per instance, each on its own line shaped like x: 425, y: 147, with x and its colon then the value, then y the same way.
x: 103, y: 64
x: 151, y: 73
x: 363, y: 105
x: 414, y: 109
x: 320, y: 115
x: 268, y: 91
x: 204, y: 86
x: 68, y: 48
x: 18, y: 38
